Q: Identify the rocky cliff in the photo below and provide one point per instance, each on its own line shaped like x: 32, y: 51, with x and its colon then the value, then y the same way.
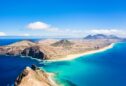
x: 34, y: 52
x: 23, y: 48
x: 34, y: 77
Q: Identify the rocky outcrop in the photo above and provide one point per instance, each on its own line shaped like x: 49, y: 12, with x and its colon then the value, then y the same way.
x: 33, y: 52
x: 23, y: 48
x: 62, y: 43
x: 16, y: 48
x: 34, y: 77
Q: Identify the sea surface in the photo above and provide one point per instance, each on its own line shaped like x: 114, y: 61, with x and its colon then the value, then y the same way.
x: 107, y: 68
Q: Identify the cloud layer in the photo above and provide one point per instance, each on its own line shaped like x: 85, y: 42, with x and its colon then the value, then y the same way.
x: 104, y: 31
x: 2, y: 34
x: 121, y: 33
x: 38, y: 25
x: 55, y: 31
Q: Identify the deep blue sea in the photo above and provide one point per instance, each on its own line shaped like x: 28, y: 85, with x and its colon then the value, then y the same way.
x: 106, y: 68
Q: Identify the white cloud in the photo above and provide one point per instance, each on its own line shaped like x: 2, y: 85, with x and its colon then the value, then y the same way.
x: 38, y: 25
x: 43, y: 26
x: 72, y: 32
x: 82, y: 33
x: 2, y: 34
x: 104, y: 31
x: 121, y: 33
x: 26, y: 34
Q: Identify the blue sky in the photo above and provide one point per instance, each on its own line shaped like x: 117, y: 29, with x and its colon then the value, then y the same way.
x: 65, y: 18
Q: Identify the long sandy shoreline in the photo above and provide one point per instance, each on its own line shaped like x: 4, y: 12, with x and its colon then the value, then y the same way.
x: 74, y: 56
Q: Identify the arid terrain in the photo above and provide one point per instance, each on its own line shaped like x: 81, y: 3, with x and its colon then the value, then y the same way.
x: 51, y: 49
x: 34, y: 77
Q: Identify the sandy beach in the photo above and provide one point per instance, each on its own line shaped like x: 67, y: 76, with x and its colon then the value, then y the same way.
x: 74, y: 56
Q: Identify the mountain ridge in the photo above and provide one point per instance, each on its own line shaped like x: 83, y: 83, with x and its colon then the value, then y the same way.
x: 101, y: 36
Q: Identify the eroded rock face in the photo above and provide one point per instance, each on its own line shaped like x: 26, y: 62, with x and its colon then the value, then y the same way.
x: 34, y: 77
x: 23, y: 48
x: 21, y: 76
x: 16, y: 48
x: 33, y: 52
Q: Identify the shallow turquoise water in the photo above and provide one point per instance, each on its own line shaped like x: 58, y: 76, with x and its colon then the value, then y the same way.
x: 101, y: 69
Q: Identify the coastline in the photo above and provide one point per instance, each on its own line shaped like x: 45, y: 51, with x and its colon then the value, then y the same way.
x: 74, y: 56
x: 51, y: 79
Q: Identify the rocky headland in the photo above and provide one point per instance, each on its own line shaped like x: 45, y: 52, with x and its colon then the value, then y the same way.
x: 33, y: 76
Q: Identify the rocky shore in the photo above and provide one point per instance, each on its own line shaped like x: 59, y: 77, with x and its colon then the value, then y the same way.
x: 33, y: 76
